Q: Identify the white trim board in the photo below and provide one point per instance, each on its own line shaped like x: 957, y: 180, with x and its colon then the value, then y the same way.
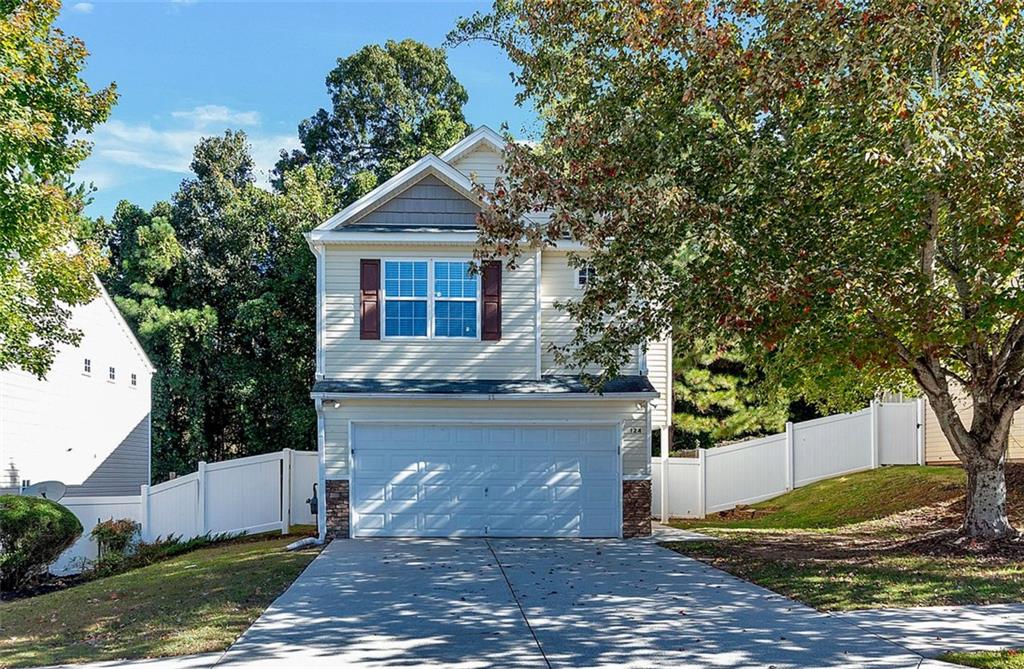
x: 482, y: 135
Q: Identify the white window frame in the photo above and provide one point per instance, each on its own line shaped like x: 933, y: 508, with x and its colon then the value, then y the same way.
x: 134, y: 380
x: 87, y: 366
x: 112, y: 374
x: 582, y: 271
x: 431, y: 298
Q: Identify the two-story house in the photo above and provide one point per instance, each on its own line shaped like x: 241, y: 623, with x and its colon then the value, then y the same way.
x: 87, y: 423
x: 441, y: 410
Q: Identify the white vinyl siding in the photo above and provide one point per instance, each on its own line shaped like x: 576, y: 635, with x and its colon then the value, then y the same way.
x: 635, y: 451
x: 482, y: 165
x: 659, y: 371
x: 75, y: 427
x: 558, y: 283
x: 348, y: 356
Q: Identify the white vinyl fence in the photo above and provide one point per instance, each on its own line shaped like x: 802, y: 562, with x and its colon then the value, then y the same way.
x: 260, y: 493
x: 722, y: 478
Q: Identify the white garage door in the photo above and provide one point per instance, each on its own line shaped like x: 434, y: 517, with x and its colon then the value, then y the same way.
x: 485, y: 480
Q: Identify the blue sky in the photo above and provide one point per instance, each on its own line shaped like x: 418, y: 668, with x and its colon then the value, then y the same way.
x: 185, y: 70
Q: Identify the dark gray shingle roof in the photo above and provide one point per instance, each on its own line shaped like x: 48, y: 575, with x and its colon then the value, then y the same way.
x: 548, y: 385
x: 395, y: 227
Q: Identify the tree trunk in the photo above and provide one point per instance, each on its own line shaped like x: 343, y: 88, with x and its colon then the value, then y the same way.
x: 985, y: 514
x: 982, y: 451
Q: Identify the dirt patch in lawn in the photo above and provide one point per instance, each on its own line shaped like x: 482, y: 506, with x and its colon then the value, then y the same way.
x: 911, y: 558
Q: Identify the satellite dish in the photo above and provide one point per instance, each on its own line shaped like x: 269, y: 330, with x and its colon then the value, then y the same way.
x: 51, y: 490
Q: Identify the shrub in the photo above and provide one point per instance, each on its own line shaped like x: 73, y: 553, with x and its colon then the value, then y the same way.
x: 33, y: 532
x: 114, y: 536
x: 146, y: 553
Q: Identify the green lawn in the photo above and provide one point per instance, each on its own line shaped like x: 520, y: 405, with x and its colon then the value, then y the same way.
x: 196, y: 602
x: 1000, y: 659
x: 882, y: 538
x: 837, y: 578
x: 845, y: 500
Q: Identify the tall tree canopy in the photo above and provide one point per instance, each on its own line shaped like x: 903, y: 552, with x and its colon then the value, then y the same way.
x: 220, y: 287
x: 45, y: 111
x: 716, y: 398
x: 390, y: 105
x: 835, y: 186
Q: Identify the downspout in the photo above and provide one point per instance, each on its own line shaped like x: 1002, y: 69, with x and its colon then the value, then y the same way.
x: 321, y: 474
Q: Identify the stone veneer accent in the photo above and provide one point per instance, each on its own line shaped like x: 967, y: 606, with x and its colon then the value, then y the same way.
x: 338, y: 509
x: 636, y: 508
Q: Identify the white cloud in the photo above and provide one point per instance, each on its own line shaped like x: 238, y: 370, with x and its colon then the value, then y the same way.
x: 121, y: 147
x: 83, y: 7
x: 205, y: 115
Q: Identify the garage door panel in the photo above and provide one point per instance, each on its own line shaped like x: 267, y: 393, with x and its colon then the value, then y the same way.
x: 458, y: 480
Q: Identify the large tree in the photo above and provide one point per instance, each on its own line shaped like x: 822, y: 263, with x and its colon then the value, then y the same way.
x: 835, y: 186
x: 220, y: 288
x: 390, y: 105
x: 46, y: 109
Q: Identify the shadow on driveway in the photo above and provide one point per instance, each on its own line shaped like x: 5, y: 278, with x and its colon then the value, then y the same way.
x: 557, y: 603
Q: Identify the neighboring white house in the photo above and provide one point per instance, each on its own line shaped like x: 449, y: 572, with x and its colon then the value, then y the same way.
x: 87, y: 423
x: 440, y: 409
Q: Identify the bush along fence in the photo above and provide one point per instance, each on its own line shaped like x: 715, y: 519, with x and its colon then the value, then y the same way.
x: 722, y: 478
x: 261, y: 493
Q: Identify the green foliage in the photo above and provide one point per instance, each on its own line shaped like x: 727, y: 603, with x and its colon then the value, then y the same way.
x: 146, y: 553
x: 835, y: 187
x: 717, y: 398
x: 115, y: 536
x: 46, y: 109
x: 390, y: 106
x: 33, y: 532
x: 220, y: 287
x: 1012, y: 658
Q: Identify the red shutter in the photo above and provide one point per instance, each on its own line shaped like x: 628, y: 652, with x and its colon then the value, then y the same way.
x: 369, y: 299
x: 491, y: 330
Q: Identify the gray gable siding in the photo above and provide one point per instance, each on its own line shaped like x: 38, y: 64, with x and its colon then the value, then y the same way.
x: 428, y: 203
x: 123, y: 471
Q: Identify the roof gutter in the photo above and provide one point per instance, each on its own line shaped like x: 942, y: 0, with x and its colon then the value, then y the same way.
x: 484, y: 396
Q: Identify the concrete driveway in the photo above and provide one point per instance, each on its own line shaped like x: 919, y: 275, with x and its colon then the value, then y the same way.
x: 541, y: 603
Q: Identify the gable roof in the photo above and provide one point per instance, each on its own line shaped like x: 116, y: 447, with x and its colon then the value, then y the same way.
x: 123, y: 326
x: 481, y: 136
x: 427, y: 165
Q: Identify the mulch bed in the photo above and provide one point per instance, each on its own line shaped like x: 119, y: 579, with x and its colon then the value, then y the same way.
x: 43, y: 585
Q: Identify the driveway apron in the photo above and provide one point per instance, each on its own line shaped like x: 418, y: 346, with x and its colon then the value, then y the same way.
x: 636, y: 604
x: 393, y: 603
x: 541, y: 603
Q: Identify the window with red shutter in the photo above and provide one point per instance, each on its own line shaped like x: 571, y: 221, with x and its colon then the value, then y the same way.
x: 491, y: 293
x: 369, y: 299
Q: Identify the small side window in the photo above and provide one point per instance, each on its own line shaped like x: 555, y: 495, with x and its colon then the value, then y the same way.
x: 112, y: 374
x: 585, y: 276
x: 87, y: 366
x: 135, y: 380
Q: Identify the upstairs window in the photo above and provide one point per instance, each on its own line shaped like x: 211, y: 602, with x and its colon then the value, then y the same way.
x: 430, y: 298
x: 135, y: 380
x: 585, y: 275
x: 405, y: 298
x: 87, y: 366
x: 112, y: 374
x: 455, y: 299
